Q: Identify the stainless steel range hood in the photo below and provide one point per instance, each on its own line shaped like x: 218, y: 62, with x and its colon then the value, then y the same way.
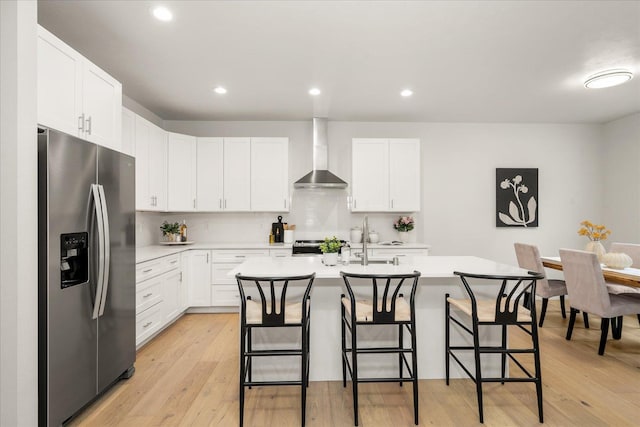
x: 320, y: 177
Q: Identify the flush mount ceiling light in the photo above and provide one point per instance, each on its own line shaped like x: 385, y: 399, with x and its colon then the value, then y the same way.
x: 161, y: 13
x: 608, y: 78
x: 406, y: 93
x: 314, y: 91
x: 220, y: 90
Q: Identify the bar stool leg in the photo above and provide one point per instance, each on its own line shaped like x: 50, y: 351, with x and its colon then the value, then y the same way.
x: 503, y: 369
x: 249, y: 364
x: 414, y: 360
x: 476, y: 351
x: 446, y: 340
x: 344, y: 345
x: 303, y: 373
x: 400, y: 345
x: 536, y: 356
x: 242, y: 372
x: 354, y: 365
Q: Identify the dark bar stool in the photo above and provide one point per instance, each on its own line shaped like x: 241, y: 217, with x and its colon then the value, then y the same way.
x: 391, y: 308
x: 264, y: 304
x: 506, y: 309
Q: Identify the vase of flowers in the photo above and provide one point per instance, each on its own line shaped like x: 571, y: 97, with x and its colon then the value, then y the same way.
x: 595, y: 233
x: 330, y: 248
x: 170, y: 231
x: 404, y: 225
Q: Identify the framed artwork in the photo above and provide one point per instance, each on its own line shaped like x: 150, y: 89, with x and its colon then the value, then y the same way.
x: 516, y: 197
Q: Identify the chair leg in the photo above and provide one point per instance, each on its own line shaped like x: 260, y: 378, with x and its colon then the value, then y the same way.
x: 585, y: 317
x: 503, y: 356
x: 536, y: 359
x: 446, y: 338
x: 604, y: 326
x: 476, y: 352
x: 639, y: 318
x: 564, y: 312
x: 303, y: 374
x: 242, y: 373
x: 249, y: 364
x: 344, y: 346
x: 572, y: 321
x: 616, y: 327
x: 414, y: 362
x: 543, y: 310
x: 354, y: 366
x: 400, y: 345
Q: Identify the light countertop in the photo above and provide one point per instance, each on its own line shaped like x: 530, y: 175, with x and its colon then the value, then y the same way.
x: 147, y: 253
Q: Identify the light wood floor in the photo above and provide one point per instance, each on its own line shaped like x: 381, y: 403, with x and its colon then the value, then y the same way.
x: 188, y: 376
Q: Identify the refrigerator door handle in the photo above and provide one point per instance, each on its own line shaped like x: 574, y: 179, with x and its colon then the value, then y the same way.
x: 107, y: 249
x: 97, y: 203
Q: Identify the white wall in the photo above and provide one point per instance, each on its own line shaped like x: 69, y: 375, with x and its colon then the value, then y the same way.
x: 621, y: 162
x: 18, y: 214
x: 458, y: 184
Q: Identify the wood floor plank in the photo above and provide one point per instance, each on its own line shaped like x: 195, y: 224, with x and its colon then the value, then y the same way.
x: 188, y: 376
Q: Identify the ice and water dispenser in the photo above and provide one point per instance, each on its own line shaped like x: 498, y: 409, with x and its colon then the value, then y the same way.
x: 74, y: 259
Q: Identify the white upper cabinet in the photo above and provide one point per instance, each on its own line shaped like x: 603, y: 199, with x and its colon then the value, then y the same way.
x: 404, y: 175
x: 210, y: 174
x: 75, y: 96
x: 151, y: 166
x: 181, y: 178
x: 237, y: 174
x: 370, y: 175
x: 385, y: 175
x: 270, y: 174
x: 128, y: 132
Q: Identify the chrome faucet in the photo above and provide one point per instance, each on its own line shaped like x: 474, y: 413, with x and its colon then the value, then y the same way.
x: 365, y: 236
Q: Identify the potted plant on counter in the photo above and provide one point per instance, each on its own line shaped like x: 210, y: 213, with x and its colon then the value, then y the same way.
x: 330, y: 248
x: 170, y: 231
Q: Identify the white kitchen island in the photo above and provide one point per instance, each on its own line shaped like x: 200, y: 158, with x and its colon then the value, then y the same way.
x: 436, y: 280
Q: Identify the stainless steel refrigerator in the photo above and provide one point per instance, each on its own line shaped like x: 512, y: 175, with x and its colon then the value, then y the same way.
x: 86, y: 272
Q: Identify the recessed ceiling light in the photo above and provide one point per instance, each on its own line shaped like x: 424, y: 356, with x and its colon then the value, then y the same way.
x: 220, y: 90
x: 406, y: 93
x: 162, y: 13
x: 608, y: 78
x: 314, y: 91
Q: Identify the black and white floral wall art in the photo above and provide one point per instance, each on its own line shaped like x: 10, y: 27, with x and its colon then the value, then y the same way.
x: 516, y: 197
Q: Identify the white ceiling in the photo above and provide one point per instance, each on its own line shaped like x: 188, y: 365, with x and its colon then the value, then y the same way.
x: 466, y: 61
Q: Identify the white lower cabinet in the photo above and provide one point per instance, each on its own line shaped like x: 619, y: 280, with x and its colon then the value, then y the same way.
x: 199, y: 278
x: 159, y: 295
x: 224, y: 288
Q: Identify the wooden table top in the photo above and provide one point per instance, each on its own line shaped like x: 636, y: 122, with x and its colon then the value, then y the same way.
x: 626, y: 276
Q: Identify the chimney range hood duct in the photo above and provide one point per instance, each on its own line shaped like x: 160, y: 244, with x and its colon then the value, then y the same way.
x: 320, y: 177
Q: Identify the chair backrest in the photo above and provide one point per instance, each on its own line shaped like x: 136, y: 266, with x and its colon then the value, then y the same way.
x: 273, y: 294
x: 383, y: 290
x: 631, y: 249
x: 509, y: 296
x: 529, y: 258
x: 585, y: 282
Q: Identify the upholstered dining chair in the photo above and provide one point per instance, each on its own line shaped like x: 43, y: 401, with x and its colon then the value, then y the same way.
x: 631, y: 249
x: 529, y: 259
x: 588, y: 292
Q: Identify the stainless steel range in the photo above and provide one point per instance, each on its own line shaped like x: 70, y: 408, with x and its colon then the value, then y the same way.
x: 308, y: 247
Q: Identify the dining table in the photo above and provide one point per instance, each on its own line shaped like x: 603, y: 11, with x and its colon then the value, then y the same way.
x: 624, y: 276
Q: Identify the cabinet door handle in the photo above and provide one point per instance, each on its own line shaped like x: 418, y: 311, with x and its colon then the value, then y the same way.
x: 391, y: 203
x: 147, y: 295
x: 225, y: 203
x: 174, y: 261
x: 147, y: 270
x: 285, y: 203
x: 89, y: 125
x: 220, y: 203
x: 146, y: 325
x: 207, y: 258
x: 355, y: 205
x: 81, y: 122
x: 194, y: 203
x: 240, y: 256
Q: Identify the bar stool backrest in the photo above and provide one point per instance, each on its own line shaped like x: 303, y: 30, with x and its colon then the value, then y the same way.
x: 385, y: 290
x: 509, y: 298
x: 273, y: 295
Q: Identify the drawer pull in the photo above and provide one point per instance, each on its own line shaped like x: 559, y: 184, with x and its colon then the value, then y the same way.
x: 148, y: 295
x: 174, y: 261
x: 146, y: 325
x: 240, y: 256
x: 148, y: 270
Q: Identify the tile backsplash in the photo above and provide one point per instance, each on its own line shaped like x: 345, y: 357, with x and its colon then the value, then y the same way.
x: 316, y: 214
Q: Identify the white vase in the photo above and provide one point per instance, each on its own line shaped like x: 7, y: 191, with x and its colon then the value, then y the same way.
x: 596, y: 247
x: 403, y: 236
x: 330, y: 258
